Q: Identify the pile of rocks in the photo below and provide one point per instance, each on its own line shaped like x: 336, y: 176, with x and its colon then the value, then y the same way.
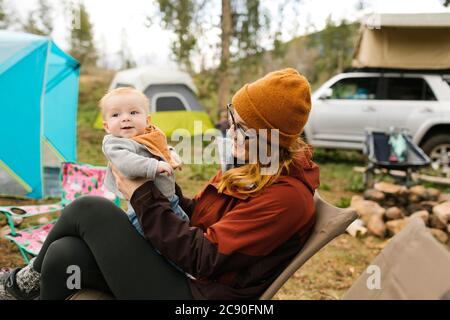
x: 387, y: 208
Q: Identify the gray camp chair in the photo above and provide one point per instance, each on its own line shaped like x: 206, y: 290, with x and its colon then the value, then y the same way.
x: 330, y: 223
x: 413, y: 265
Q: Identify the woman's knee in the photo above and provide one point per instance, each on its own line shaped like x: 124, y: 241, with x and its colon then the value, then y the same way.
x: 62, y: 266
x: 91, y: 208
x: 60, y: 254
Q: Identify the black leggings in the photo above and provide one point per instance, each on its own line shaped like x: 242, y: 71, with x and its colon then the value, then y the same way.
x: 95, y: 235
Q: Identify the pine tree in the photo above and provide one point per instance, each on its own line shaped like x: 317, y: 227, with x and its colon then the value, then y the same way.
x: 125, y: 54
x: 4, y: 21
x: 82, y: 45
x: 44, y: 13
x: 241, y: 24
x: 224, y: 68
x: 182, y: 17
x: 40, y: 21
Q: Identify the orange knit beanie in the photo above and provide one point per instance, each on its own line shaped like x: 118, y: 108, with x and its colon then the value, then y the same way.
x: 280, y: 100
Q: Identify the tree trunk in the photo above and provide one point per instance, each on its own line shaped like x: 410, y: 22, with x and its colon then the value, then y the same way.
x: 224, y: 76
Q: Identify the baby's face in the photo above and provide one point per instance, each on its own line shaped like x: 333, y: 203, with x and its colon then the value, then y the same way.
x: 125, y: 115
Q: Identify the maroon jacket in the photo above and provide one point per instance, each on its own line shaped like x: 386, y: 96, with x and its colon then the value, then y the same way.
x: 234, y: 245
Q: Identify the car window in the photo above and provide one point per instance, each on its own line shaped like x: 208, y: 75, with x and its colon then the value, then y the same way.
x: 355, y: 88
x: 408, y: 89
x: 447, y: 79
x: 169, y: 104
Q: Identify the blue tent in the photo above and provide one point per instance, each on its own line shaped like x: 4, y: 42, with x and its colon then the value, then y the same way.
x: 38, y: 105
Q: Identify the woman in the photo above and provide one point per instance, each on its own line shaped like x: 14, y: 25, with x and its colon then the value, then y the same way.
x: 244, y: 226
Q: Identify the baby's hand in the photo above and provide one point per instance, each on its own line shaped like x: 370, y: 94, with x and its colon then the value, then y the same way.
x: 164, y: 167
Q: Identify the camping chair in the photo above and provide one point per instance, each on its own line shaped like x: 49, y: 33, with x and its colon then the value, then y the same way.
x: 330, y: 223
x: 76, y: 180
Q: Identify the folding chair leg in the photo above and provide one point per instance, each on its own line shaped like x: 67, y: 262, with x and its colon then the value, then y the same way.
x: 24, y: 255
x: 11, y: 224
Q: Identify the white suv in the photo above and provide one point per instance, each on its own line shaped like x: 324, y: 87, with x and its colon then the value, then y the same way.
x: 350, y: 102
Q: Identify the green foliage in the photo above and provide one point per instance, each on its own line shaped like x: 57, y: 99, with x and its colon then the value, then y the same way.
x: 183, y: 18
x: 89, y: 140
x: 4, y: 21
x: 82, y: 45
x: 344, y: 202
x: 201, y: 172
x: 125, y: 53
x: 325, y: 187
x: 40, y: 21
x: 335, y: 45
x: 186, y: 18
x: 355, y: 183
x: 313, y: 55
x: 248, y: 23
x: 322, y: 155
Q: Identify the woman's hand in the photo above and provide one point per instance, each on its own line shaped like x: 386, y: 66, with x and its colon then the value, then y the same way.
x: 164, y: 167
x: 126, y: 186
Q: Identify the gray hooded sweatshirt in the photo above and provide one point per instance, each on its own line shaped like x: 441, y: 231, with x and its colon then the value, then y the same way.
x: 135, y: 161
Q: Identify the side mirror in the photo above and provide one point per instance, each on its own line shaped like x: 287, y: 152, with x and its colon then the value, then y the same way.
x: 326, y: 94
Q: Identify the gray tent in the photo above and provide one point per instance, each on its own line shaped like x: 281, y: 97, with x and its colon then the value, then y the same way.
x: 172, y: 94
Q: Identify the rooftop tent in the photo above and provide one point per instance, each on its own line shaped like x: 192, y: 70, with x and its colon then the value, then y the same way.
x: 172, y: 95
x: 39, y: 91
x: 404, y: 41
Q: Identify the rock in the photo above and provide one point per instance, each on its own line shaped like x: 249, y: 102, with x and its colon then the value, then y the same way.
x: 395, y: 226
x: 442, y: 212
x: 4, y: 231
x: 440, y: 235
x: 414, y: 198
x: 393, y: 213
x: 444, y: 197
x: 387, y: 187
x: 419, y: 191
x: 376, y: 226
x: 355, y: 199
x: 428, y: 205
x: 433, y: 194
x: 413, y: 207
x: 356, y: 228
x: 43, y: 220
x: 436, y: 223
x: 391, y: 201
x: 17, y: 221
x: 374, y: 195
x: 422, y: 214
x: 402, y: 200
x: 366, y: 208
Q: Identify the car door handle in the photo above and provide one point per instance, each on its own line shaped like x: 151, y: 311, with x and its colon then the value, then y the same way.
x: 369, y: 109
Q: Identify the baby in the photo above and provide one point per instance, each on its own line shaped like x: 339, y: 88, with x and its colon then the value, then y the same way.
x: 137, y: 148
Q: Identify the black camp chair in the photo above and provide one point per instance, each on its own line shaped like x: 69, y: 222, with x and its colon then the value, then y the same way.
x: 378, y: 150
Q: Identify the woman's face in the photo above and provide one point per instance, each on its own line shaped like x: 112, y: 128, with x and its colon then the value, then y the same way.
x: 239, y: 144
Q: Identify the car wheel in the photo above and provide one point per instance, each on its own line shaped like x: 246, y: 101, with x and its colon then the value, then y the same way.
x: 438, y: 149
